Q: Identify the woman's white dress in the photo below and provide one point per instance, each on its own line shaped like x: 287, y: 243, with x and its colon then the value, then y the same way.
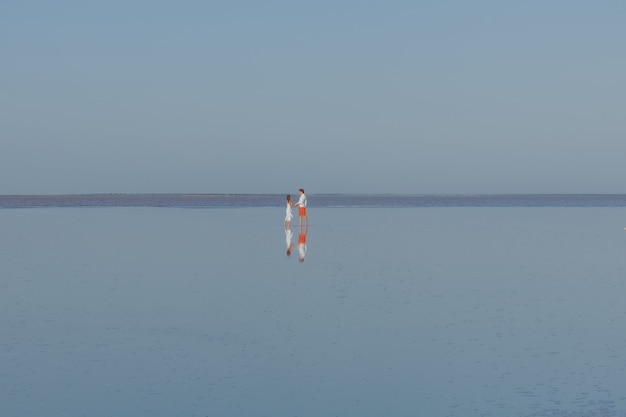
x: 288, y: 213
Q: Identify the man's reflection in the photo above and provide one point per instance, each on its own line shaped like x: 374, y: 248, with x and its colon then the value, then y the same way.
x: 302, y: 242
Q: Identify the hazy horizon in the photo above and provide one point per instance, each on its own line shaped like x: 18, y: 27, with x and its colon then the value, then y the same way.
x: 314, y: 194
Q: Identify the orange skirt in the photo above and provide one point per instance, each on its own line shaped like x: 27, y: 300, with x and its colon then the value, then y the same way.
x: 301, y: 211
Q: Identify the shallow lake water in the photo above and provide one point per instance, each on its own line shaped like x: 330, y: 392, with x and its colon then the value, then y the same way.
x: 392, y: 312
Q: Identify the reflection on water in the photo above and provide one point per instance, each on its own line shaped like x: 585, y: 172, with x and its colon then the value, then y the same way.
x: 288, y: 240
x: 302, y: 242
x: 302, y: 247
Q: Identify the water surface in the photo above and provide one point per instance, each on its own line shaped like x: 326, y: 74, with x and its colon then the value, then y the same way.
x: 460, y: 311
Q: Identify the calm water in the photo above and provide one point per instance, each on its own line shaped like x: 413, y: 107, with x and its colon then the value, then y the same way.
x: 410, y: 311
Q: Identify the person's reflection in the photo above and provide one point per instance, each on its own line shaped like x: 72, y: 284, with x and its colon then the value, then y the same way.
x: 302, y: 242
x: 288, y: 238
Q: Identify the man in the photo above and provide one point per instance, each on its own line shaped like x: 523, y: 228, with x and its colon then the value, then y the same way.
x: 302, y: 208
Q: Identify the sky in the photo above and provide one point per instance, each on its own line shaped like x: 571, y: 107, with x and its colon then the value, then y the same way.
x: 247, y: 96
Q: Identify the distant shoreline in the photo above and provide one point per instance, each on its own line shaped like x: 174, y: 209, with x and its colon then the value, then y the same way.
x: 315, y: 200
x: 329, y: 194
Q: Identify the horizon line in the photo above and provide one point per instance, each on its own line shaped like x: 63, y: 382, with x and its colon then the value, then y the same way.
x: 318, y: 194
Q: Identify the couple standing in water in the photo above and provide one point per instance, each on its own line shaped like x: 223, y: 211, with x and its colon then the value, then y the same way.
x: 287, y: 224
x: 301, y: 210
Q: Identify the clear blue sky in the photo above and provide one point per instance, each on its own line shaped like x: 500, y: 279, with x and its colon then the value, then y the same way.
x: 333, y: 96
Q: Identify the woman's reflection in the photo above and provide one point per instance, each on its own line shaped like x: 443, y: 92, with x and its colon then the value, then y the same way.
x: 288, y: 237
